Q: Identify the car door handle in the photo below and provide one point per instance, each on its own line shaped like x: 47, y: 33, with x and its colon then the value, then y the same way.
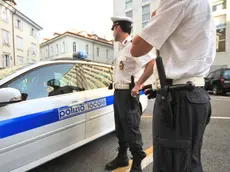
x: 76, y: 103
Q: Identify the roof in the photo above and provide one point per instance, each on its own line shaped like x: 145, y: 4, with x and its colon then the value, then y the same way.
x: 12, y: 1
x: 28, y: 20
x: 82, y: 34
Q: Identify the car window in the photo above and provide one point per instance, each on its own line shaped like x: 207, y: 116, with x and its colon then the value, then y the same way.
x: 97, y: 76
x: 226, y: 74
x: 211, y: 75
x: 217, y: 74
x: 49, y: 81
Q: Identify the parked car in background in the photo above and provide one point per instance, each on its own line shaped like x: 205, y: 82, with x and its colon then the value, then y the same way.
x: 218, y: 81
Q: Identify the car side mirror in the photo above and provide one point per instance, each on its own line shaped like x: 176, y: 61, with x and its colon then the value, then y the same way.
x: 24, y: 96
x: 9, y: 96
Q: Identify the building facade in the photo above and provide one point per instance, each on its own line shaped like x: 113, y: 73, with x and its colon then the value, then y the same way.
x: 65, y: 44
x: 221, y: 14
x: 141, y: 10
x: 19, y: 42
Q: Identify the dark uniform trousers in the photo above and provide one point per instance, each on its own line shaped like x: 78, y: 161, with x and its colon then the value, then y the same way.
x: 178, y: 149
x: 127, y: 121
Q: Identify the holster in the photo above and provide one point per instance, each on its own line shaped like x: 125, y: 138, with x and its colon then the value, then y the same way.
x: 167, y: 113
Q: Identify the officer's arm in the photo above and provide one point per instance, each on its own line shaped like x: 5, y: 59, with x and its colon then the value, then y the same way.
x: 147, y: 72
x: 159, y: 28
x: 139, y: 47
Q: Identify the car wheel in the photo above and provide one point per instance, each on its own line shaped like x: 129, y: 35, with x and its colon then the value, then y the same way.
x: 215, y: 90
x: 224, y: 93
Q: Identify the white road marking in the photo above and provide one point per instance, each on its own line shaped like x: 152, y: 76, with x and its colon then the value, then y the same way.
x: 148, y: 160
x: 220, y: 117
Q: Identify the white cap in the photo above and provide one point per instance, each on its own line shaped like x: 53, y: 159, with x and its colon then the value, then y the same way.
x: 119, y: 18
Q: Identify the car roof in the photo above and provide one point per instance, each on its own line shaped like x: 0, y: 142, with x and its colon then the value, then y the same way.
x: 219, y: 69
x: 44, y: 63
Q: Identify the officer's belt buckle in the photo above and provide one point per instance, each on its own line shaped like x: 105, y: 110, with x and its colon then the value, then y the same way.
x: 122, y: 86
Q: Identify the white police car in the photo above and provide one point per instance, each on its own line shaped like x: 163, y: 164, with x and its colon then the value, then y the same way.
x: 66, y: 104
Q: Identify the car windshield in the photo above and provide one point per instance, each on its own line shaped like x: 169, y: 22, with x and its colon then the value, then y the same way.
x: 227, y: 74
x: 8, y: 71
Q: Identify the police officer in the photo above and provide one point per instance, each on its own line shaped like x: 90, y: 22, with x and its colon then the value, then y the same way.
x: 127, y: 118
x: 184, y: 33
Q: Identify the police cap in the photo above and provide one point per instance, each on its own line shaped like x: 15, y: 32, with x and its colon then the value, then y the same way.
x: 127, y: 21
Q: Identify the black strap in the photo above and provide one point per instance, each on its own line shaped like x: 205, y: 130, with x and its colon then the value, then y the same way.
x: 157, y: 52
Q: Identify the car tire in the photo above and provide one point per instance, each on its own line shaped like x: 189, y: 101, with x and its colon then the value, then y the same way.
x: 224, y: 93
x: 216, y: 90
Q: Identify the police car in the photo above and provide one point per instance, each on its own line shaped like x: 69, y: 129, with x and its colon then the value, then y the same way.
x: 53, y: 107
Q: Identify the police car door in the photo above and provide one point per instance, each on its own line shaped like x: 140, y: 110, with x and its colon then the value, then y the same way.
x: 49, y: 123
x: 100, y: 118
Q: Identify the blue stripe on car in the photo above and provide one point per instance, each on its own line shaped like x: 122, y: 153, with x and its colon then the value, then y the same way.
x: 21, y: 124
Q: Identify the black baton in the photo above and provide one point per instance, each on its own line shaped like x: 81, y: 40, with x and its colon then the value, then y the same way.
x: 161, y: 70
x: 132, y: 85
x: 167, y: 115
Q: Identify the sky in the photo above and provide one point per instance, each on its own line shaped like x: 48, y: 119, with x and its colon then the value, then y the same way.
x: 60, y: 16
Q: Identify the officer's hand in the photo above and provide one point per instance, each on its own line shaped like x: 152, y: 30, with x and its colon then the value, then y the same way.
x: 149, y: 92
x: 135, y: 90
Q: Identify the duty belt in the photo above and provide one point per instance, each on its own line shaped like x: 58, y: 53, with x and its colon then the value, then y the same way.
x: 122, y: 86
x: 127, y: 86
x: 165, y: 92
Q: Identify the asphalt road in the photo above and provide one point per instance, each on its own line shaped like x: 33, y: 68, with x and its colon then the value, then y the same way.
x: 93, y: 156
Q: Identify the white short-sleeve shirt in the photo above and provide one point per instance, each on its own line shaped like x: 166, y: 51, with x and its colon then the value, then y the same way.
x: 185, y: 34
x: 126, y: 65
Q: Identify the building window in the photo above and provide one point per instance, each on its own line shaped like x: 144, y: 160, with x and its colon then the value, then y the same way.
x: 33, y: 49
x: 74, y: 47
x: 19, y: 42
x: 63, y: 47
x: 87, y: 49
x: 98, y: 52
x: 46, y: 54
x: 51, y: 53
x: 57, y: 50
x: 107, y: 54
x: 221, y: 40
x: 128, y: 4
x: 5, y: 14
x: 33, y: 33
x: 220, y: 22
x: 145, y: 14
x: 219, y: 5
x: 129, y: 14
x: 6, y: 60
x: 20, y: 60
x: 18, y: 24
x: 5, y: 37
